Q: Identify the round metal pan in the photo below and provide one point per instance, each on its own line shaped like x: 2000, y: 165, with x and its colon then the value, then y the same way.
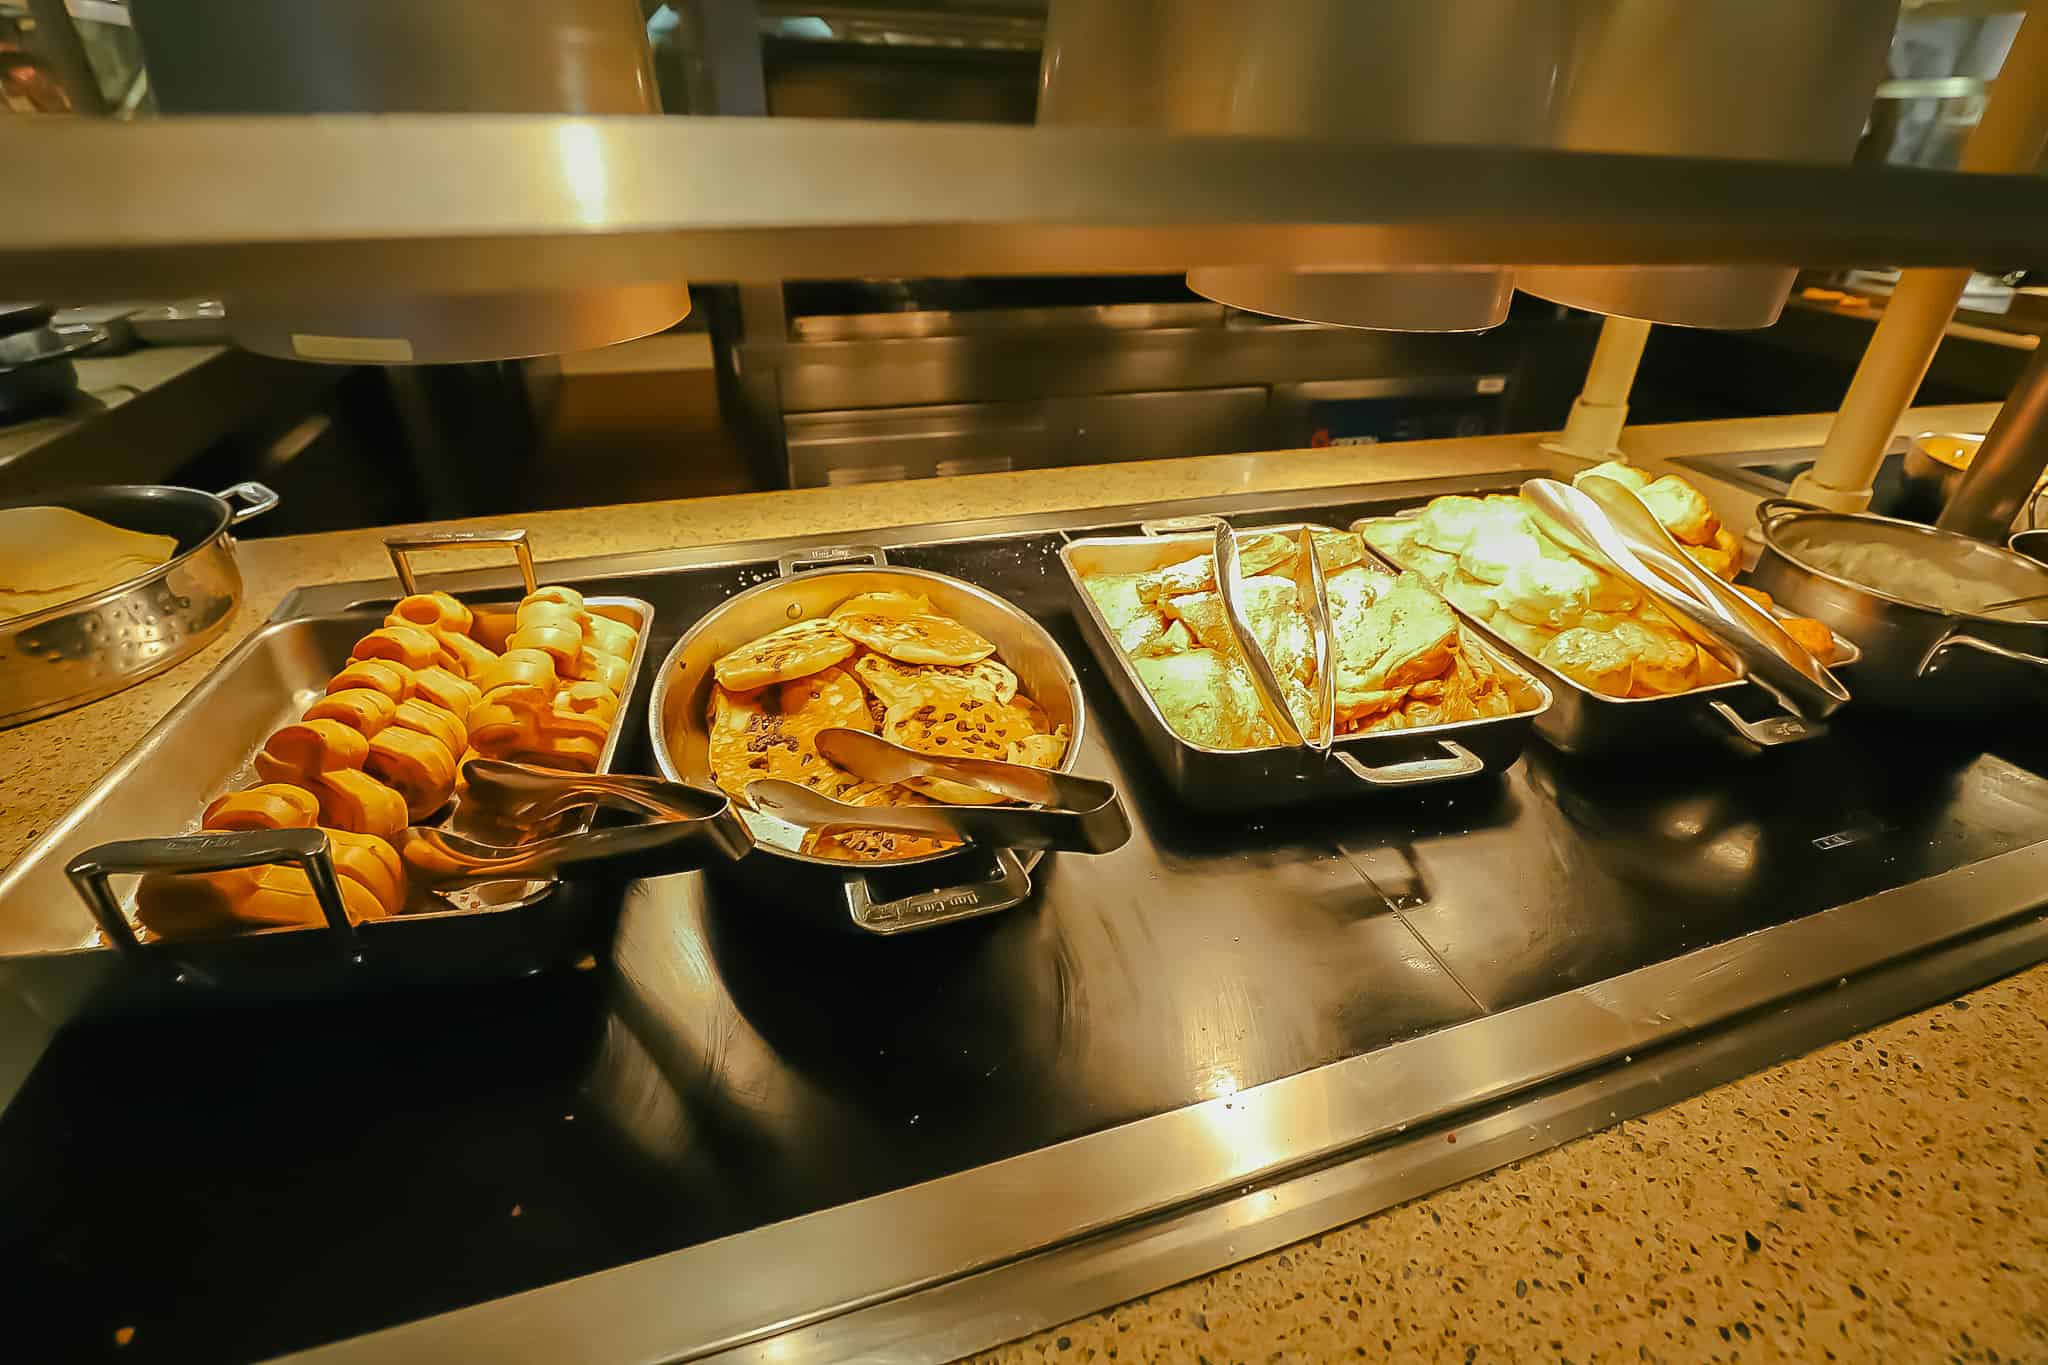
x: 1917, y: 657
x: 952, y: 885
x: 93, y: 647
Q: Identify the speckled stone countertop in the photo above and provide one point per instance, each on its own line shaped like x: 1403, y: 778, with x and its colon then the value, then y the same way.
x: 1885, y: 1198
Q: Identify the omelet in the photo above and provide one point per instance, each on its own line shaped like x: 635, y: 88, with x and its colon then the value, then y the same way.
x: 782, y: 656
x: 1265, y: 552
x: 1207, y: 699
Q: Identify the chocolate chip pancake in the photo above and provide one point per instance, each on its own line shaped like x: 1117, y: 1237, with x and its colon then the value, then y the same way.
x: 782, y: 656
x: 775, y: 734
x: 906, y: 629
x: 898, y: 683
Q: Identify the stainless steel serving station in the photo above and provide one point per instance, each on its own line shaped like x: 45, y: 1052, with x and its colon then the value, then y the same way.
x: 725, y: 1134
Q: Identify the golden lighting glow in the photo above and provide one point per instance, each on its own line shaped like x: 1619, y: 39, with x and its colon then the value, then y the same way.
x: 583, y: 169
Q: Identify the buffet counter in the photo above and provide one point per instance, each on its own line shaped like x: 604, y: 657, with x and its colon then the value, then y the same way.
x: 1875, y: 1198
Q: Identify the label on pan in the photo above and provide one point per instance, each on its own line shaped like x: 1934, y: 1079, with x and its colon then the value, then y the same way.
x: 361, y: 350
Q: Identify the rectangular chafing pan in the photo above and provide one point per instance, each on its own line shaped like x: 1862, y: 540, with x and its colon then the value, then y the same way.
x: 51, y: 949
x: 1591, y: 724
x: 1278, y: 775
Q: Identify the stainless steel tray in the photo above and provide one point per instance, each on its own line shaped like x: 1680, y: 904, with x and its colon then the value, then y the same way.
x: 1590, y: 724
x: 51, y: 947
x: 1278, y: 775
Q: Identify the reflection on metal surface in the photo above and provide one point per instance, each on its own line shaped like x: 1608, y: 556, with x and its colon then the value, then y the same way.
x: 1407, y: 71
x: 1728, y: 78
x: 458, y: 205
x: 390, y: 57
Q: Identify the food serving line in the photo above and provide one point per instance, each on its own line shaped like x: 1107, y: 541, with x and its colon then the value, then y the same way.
x: 747, y: 1125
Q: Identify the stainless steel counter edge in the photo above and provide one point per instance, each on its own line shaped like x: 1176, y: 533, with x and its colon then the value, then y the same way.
x: 757, y: 1286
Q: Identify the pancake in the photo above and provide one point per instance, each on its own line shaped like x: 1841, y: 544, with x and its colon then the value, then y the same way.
x: 888, y: 602
x: 782, y: 656
x: 956, y: 723
x: 896, y: 683
x: 911, y: 637
x: 760, y: 735
x: 1039, y: 751
x: 875, y: 845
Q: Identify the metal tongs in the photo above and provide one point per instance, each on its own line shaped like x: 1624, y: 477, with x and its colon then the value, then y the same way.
x: 1061, y: 811
x: 690, y: 827
x: 1612, y: 519
x: 1312, y: 593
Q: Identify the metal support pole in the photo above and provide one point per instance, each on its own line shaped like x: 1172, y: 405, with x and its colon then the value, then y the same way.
x: 1593, y: 430
x: 2010, y: 139
x: 2006, y: 466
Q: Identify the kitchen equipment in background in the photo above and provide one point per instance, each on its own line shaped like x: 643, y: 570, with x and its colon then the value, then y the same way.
x: 1417, y: 71
x: 1935, y: 463
x: 36, y: 373
x: 398, y: 56
x: 1910, y: 596
x: 1756, y: 79
x: 190, y: 322
x: 81, y: 651
x: 869, y: 380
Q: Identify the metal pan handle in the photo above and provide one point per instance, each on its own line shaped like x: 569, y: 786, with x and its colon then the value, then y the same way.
x: 1771, y: 731
x: 1008, y: 887
x: 402, y: 550
x: 256, y: 499
x: 1458, y: 761
x: 307, y: 848
x: 1177, y: 526
x: 794, y: 562
x: 1932, y: 663
x: 1771, y: 511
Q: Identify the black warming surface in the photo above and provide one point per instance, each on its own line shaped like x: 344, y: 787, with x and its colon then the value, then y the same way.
x: 233, y: 1185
